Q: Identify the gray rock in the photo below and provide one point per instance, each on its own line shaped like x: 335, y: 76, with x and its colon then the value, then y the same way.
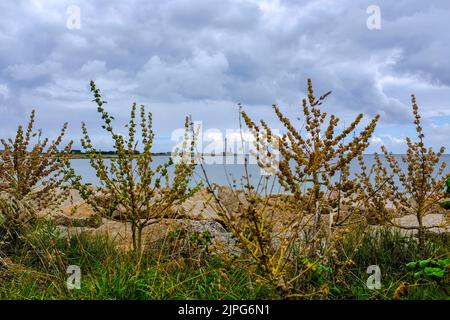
x: 157, y: 233
x: 68, y: 232
x: 77, y: 222
x: 435, y: 223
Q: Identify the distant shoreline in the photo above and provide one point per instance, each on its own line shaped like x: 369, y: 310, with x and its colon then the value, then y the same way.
x: 169, y: 154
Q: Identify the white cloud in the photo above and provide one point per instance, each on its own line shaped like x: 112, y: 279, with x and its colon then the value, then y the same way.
x: 202, y: 76
x: 29, y: 71
x: 4, y: 91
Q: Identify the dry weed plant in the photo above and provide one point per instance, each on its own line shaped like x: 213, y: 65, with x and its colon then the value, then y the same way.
x: 129, y: 189
x: 253, y: 222
x: 377, y: 193
x: 14, y: 216
x: 423, y: 181
x: 31, y: 177
x: 309, y: 158
x: 269, y: 227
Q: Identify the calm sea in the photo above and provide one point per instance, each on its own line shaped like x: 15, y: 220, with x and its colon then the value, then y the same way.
x: 220, y: 173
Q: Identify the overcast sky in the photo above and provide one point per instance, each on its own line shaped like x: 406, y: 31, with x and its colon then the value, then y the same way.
x: 202, y: 57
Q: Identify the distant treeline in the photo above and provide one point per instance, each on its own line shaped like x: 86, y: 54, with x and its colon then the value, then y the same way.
x: 110, y: 152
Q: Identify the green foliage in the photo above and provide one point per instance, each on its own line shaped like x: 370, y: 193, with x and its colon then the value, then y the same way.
x: 445, y: 204
x: 430, y: 268
x: 318, y: 272
x: 129, y: 188
x: 111, y: 273
x: 391, y: 251
x: 201, y: 240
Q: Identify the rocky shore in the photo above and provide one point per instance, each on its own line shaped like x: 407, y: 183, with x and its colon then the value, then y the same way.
x: 196, y: 215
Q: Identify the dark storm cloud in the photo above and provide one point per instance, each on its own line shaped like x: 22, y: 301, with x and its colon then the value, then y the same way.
x: 202, y: 57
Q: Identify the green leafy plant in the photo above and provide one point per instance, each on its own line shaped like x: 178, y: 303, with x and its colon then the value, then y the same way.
x: 130, y: 190
x: 434, y: 270
x: 430, y: 268
x: 319, y: 272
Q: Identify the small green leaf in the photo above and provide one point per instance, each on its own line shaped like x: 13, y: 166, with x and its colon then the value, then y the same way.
x: 425, y: 263
x: 445, y: 263
x: 418, y: 274
x: 434, y: 272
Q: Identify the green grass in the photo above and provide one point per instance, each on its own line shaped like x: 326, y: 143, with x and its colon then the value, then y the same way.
x: 391, y: 252
x: 108, y: 273
x: 40, y: 264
